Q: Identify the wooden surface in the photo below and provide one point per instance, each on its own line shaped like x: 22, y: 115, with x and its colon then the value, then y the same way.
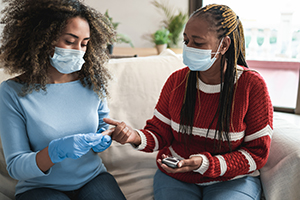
x: 140, y: 52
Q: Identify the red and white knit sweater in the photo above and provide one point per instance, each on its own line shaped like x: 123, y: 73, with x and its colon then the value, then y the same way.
x: 250, y: 135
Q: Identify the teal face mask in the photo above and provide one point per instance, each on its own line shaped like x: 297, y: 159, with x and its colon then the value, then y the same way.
x: 67, y: 61
x: 199, y: 59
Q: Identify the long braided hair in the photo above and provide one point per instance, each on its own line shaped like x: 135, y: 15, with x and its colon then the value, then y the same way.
x: 31, y: 31
x: 226, y: 23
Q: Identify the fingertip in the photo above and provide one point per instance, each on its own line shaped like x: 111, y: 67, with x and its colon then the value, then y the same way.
x: 91, y: 136
x: 106, y: 138
x: 101, y: 130
x: 164, y: 155
x: 179, y: 164
x: 107, y: 120
x: 107, y: 132
x: 110, y: 121
x: 93, y: 139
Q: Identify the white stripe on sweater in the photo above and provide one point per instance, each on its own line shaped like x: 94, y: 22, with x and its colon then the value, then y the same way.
x: 144, y: 140
x: 155, y: 140
x: 212, y: 89
x: 204, y: 166
x: 251, y: 161
x: 234, y: 136
x: 261, y: 133
x: 223, y: 165
x: 161, y: 117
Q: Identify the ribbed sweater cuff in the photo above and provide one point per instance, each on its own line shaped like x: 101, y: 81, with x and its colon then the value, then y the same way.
x: 204, y: 166
x: 143, y: 141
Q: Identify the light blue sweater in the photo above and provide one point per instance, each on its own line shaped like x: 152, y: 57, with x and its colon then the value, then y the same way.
x: 28, y: 124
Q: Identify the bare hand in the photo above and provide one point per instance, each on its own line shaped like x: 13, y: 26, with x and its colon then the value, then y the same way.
x: 122, y: 133
x: 185, y: 165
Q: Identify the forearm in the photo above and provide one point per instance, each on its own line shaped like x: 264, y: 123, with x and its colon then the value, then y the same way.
x: 241, y: 161
x: 155, y: 136
x: 43, y: 160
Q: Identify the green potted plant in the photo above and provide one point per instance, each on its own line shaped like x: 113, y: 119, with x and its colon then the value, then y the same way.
x: 173, y: 22
x: 120, y: 38
x: 161, y: 39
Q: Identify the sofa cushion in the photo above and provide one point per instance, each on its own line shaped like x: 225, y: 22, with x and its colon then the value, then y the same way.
x: 134, y: 91
x: 137, y: 83
x: 7, y: 184
x: 281, y: 175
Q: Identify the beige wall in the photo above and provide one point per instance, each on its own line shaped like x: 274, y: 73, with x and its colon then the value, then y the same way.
x: 138, y: 18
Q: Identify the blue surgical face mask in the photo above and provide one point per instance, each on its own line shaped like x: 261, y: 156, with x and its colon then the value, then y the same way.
x: 67, y: 61
x: 199, y: 59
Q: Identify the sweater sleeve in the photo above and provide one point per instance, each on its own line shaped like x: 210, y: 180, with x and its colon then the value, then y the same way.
x: 20, y: 160
x: 158, y: 132
x: 103, y: 112
x: 253, y: 153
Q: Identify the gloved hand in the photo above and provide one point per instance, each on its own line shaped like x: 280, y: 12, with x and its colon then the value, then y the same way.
x: 73, y: 146
x: 105, y: 142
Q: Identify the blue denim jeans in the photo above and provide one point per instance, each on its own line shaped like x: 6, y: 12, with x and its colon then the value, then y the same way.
x: 168, y: 188
x: 102, y: 187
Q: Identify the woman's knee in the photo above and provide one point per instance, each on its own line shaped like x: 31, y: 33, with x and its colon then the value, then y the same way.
x: 248, y: 188
x: 104, y: 186
x: 42, y: 193
x: 168, y: 188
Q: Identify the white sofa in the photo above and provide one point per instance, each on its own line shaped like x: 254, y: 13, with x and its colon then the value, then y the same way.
x: 134, y: 92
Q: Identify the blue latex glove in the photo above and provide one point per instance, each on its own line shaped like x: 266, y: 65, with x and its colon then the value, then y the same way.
x: 73, y: 146
x: 105, y: 142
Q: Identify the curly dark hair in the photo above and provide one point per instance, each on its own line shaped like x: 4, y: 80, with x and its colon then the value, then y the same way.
x: 32, y: 28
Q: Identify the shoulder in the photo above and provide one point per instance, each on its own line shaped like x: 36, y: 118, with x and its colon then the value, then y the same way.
x: 12, y: 85
x: 8, y: 86
x: 254, y: 86
x: 250, y: 73
x: 251, y: 78
x: 179, y: 75
x: 9, y: 91
x: 180, y: 72
x: 176, y: 79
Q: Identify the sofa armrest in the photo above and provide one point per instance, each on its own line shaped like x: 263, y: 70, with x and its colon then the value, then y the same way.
x: 7, y: 184
x: 281, y: 175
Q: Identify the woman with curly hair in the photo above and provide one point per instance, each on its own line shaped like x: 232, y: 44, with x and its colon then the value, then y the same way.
x: 214, y: 116
x: 51, y: 115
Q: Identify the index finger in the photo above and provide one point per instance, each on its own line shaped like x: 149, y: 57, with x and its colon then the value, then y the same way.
x: 111, y: 121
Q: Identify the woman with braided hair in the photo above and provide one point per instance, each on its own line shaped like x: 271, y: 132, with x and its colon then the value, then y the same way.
x: 215, y: 116
x: 51, y: 115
